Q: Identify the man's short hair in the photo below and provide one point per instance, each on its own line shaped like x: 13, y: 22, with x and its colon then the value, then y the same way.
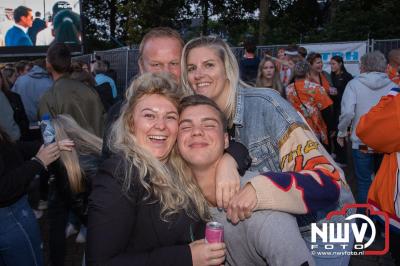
x: 37, y: 14
x: 373, y: 62
x: 59, y: 57
x: 250, y: 45
x: 198, y: 99
x: 99, y: 67
x: 159, y: 32
x: 21, y: 11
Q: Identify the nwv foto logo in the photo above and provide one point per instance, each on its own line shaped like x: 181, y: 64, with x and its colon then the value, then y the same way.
x: 340, y: 232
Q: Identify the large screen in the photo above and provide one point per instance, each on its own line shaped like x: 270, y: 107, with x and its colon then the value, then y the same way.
x: 28, y: 27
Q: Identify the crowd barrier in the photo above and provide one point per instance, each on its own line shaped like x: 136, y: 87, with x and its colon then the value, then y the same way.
x: 124, y: 60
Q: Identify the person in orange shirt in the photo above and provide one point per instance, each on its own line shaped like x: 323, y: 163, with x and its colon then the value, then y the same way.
x: 309, y: 99
x: 380, y: 130
x: 393, y: 67
x: 318, y: 75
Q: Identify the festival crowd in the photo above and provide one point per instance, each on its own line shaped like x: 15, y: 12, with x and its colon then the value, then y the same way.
x: 257, y: 145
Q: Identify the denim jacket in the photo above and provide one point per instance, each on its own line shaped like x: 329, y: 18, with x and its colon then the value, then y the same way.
x: 265, y: 123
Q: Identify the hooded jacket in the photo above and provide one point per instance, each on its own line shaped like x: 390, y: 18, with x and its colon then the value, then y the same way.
x: 360, y: 95
x: 31, y: 87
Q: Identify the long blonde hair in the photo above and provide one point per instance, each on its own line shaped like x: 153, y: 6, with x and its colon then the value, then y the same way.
x: 223, y: 51
x: 86, y: 143
x: 276, y: 80
x: 170, y: 183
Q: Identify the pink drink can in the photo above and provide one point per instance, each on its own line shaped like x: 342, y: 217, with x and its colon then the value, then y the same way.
x: 214, y: 232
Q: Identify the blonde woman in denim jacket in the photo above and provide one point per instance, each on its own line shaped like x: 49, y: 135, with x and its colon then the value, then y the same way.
x: 298, y: 175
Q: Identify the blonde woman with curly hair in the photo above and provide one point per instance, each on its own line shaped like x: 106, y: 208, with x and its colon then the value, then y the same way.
x: 144, y: 208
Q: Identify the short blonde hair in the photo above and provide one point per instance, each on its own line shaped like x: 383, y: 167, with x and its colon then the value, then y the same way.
x: 158, y: 32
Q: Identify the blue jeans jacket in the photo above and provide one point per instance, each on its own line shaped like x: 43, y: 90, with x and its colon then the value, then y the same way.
x: 263, y: 121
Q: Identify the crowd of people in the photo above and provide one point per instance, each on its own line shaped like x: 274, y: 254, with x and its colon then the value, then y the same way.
x: 198, y: 136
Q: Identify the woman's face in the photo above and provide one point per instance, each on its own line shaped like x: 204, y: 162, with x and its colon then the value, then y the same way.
x: 206, y: 73
x: 317, y: 65
x: 268, y: 70
x: 155, y: 124
x: 335, y: 66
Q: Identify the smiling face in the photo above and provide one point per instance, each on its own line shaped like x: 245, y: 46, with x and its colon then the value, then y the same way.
x: 268, y: 70
x: 201, y: 138
x: 206, y: 74
x: 162, y: 54
x: 155, y: 124
x: 317, y: 65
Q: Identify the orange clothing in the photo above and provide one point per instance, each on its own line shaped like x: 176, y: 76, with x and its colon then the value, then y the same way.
x: 310, y: 99
x: 393, y: 74
x: 380, y: 130
x: 323, y: 81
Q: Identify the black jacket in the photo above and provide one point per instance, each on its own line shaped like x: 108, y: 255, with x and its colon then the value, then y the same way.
x: 16, y: 170
x: 129, y: 231
x: 20, y: 116
x: 339, y: 82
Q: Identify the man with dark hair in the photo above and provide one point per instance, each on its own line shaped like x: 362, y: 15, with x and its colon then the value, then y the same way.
x: 100, y: 70
x: 17, y: 35
x: 37, y: 25
x: 248, y: 65
x: 69, y: 96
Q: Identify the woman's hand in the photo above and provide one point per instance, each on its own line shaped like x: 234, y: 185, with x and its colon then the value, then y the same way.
x: 227, y: 180
x: 66, y: 145
x: 48, y: 154
x: 242, y: 204
x: 204, y: 254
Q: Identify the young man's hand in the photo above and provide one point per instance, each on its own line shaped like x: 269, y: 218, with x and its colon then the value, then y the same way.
x: 227, y: 180
x: 242, y: 204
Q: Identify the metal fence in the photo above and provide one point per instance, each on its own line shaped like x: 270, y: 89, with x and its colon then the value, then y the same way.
x: 384, y: 45
x: 124, y: 60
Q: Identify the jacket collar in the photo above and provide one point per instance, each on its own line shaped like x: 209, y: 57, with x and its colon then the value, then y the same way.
x: 239, y: 113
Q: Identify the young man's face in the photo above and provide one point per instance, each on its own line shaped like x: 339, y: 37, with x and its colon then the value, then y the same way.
x: 162, y: 55
x: 201, y: 137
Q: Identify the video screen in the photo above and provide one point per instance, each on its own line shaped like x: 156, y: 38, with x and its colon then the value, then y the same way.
x: 30, y: 26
